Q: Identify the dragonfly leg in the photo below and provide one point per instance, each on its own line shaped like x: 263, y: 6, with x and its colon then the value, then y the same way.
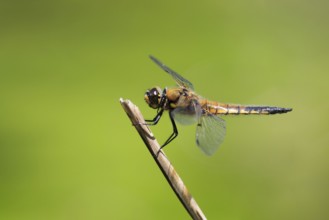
x: 174, y: 134
x: 156, y: 119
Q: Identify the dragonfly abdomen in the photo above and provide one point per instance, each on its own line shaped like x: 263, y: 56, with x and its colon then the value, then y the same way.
x: 234, y: 109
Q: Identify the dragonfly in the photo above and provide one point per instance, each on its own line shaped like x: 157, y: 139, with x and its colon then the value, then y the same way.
x: 186, y: 107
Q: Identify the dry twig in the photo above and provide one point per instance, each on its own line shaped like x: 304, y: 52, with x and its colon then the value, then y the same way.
x: 164, y: 164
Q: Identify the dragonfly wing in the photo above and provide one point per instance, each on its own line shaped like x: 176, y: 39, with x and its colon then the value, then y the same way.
x: 178, y: 78
x: 188, y: 114
x: 210, y: 133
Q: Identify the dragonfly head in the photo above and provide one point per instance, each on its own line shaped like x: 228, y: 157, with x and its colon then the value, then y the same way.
x: 153, y: 97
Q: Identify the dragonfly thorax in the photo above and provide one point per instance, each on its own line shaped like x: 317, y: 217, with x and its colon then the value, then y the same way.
x: 153, y: 97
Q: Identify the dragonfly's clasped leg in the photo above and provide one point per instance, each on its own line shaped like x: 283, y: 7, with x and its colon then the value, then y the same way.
x: 156, y: 119
x: 173, y: 135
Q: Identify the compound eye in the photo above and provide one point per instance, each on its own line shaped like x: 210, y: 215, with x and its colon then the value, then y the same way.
x: 154, y: 96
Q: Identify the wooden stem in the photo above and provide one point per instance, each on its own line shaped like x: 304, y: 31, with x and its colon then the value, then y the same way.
x: 161, y: 159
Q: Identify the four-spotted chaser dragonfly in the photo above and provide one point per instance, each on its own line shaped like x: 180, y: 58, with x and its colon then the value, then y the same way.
x: 187, y: 107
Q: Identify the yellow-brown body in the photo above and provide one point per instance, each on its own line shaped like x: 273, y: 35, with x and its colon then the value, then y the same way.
x: 182, y: 97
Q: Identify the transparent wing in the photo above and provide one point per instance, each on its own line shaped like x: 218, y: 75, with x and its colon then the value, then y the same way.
x: 189, y: 114
x: 178, y: 78
x: 210, y: 133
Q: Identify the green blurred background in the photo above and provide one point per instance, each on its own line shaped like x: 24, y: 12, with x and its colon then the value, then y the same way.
x: 68, y: 151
